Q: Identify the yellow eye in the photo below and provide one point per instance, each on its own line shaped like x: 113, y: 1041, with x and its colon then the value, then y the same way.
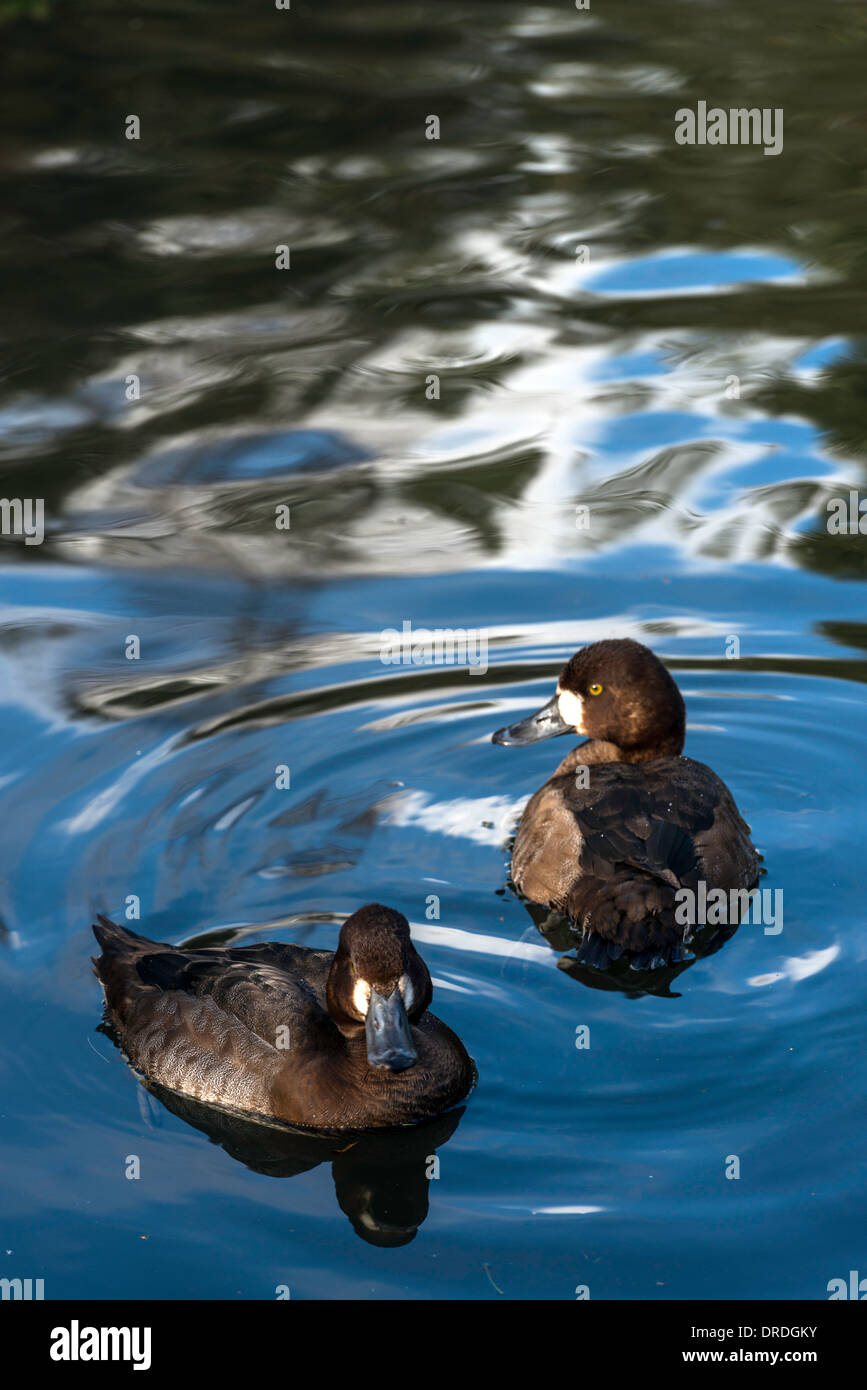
x: 595, y: 688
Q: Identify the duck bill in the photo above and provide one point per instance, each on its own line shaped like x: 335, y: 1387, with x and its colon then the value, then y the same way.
x: 386, y: 1029
x: 547, y: 722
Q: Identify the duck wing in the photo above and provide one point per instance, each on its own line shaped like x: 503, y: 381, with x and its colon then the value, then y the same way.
x: 216, y: 1023
x: 648, y: 816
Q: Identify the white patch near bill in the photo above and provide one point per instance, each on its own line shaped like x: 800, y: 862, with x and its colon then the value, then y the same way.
x: 571, y: 708
x: 407, y: 992
x: 361, y: 997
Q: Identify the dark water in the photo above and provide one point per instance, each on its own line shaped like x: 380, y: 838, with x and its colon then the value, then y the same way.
x: 603, y: 383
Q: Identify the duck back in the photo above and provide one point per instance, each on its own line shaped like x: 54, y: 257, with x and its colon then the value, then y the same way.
x: 613, y: 854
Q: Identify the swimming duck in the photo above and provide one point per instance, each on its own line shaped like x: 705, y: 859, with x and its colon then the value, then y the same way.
x: 319, y: 1039
x: 625, y: 821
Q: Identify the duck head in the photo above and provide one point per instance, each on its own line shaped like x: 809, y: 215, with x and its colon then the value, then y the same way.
x: 618, y: 695
x: 379, y: 983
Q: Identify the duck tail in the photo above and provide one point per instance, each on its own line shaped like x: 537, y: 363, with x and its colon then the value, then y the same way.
x: 118, y: 943
x: 105, y: 931
x: 630, y: 911
x: 109, y: 934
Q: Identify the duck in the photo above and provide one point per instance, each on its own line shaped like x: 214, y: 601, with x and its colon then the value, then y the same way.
x: 625, y: 822
x: 323, y: 1040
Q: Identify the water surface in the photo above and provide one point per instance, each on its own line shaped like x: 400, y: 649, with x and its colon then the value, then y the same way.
x: 691, y: 386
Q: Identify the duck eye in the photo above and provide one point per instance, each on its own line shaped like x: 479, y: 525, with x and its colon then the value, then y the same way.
x: 595, y: 688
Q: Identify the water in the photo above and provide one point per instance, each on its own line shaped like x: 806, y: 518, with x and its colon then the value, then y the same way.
x: 565, y: 383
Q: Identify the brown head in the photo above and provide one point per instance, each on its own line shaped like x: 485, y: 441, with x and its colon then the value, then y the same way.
x: 615, y: 693
x: 379, y: 985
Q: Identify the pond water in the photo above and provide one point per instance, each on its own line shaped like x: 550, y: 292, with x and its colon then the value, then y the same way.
x: 638, y: 438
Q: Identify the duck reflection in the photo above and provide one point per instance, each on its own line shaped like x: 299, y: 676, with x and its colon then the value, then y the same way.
x: 622, y: 975
x: 381, y: 1179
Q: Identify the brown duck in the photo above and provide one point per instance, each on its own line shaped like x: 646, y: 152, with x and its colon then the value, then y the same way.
x: 318, y: 1039
x: 611, y: 845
